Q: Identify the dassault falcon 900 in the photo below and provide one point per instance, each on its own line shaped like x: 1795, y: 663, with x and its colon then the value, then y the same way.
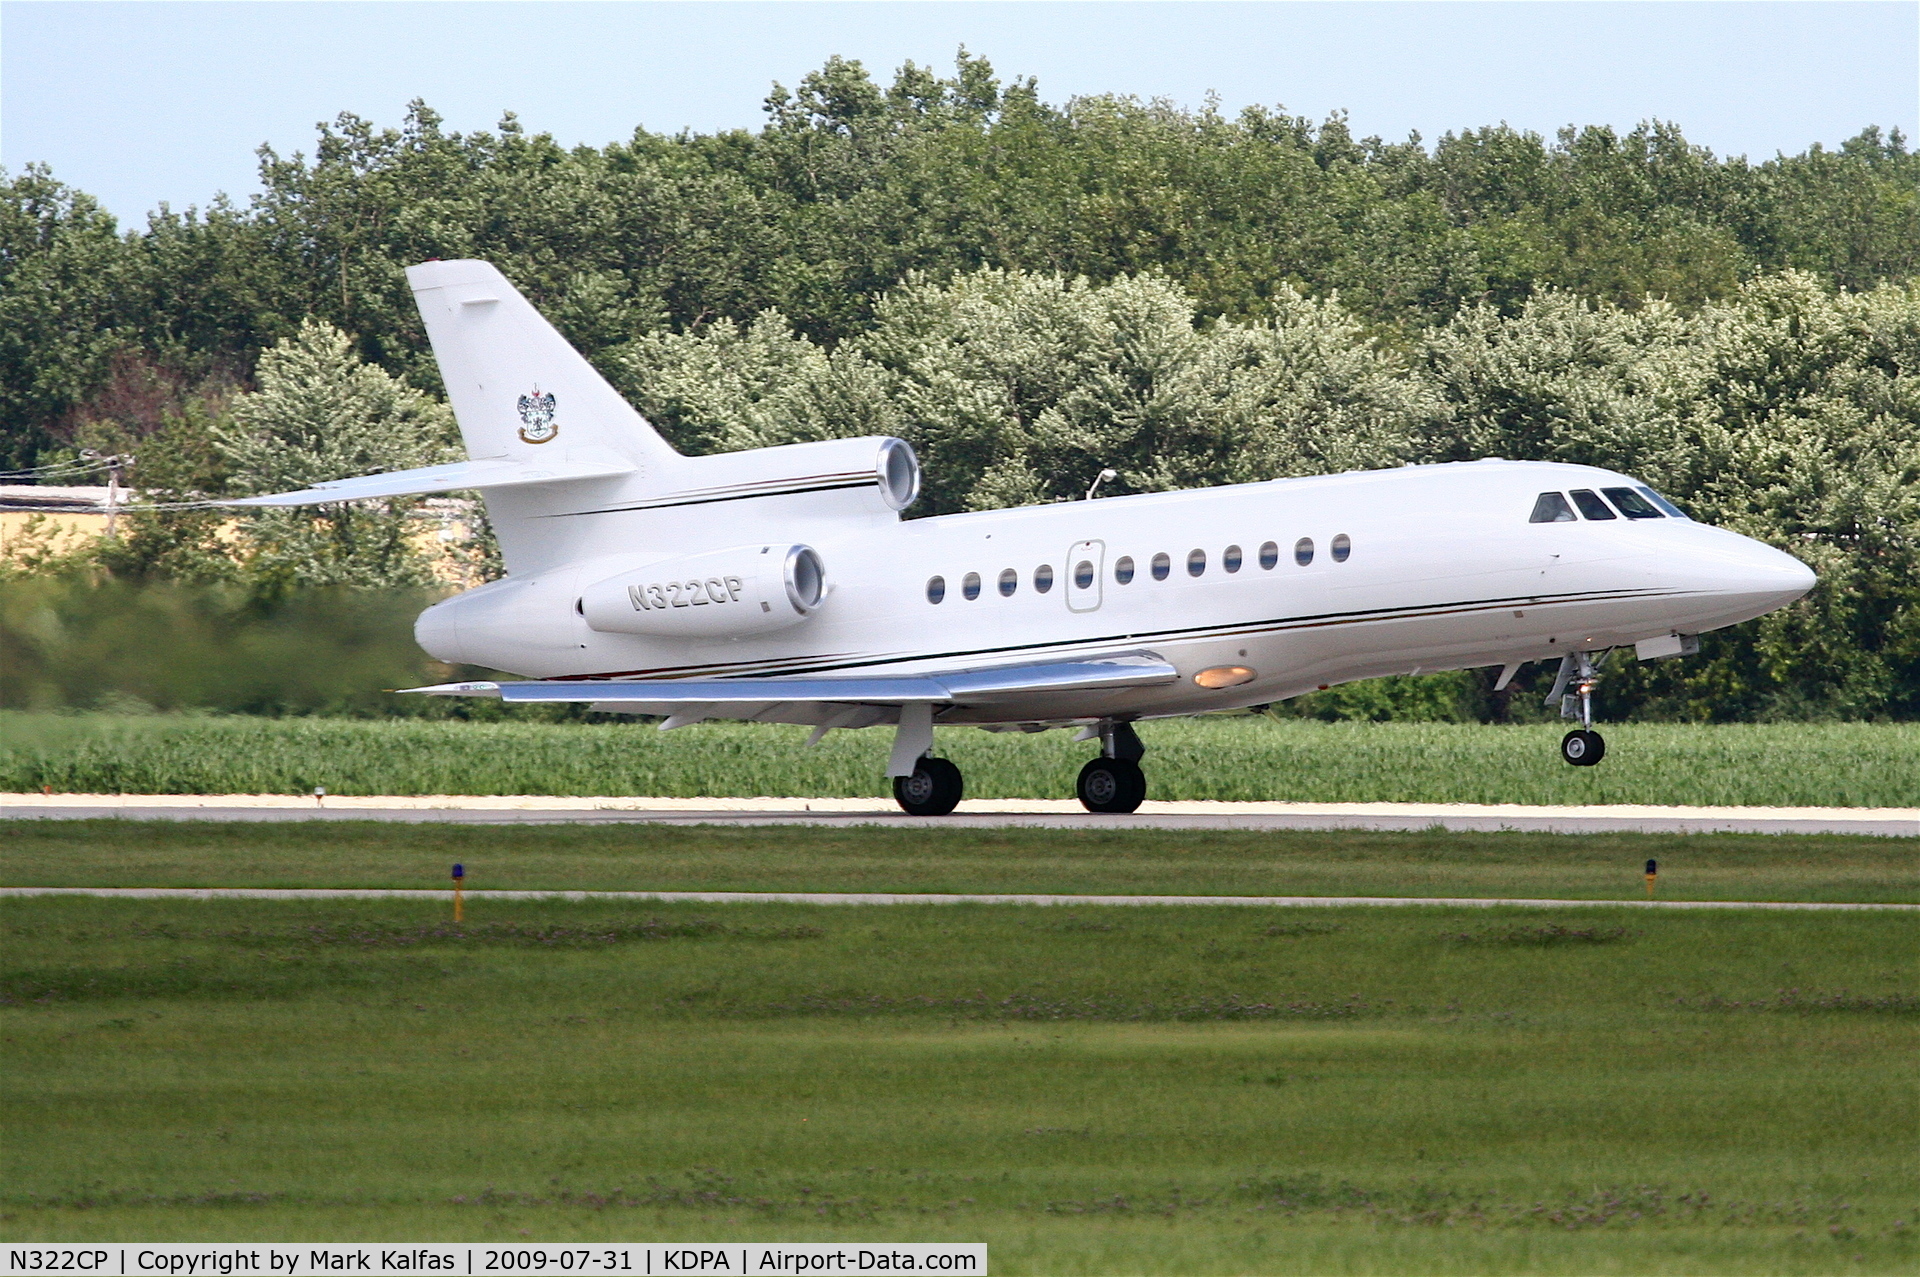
x: 781, y: 584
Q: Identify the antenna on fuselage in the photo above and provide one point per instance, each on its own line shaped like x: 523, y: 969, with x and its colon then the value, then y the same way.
x: 1104, y: 476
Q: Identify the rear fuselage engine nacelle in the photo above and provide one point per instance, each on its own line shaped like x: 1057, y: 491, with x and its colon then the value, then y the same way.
x: 746, y: 589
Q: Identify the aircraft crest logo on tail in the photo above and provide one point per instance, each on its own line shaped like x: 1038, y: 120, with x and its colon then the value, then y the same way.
x: 536, y: 410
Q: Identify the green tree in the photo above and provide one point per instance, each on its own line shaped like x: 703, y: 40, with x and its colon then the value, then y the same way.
x: 61, y: 261
x: 322, y: 414
x: 1018, y: 388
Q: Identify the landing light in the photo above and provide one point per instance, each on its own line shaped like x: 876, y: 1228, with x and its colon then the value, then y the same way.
x: 1224, y: 676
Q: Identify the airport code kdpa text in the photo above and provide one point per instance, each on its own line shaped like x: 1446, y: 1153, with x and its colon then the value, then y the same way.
x: 639, y: 1259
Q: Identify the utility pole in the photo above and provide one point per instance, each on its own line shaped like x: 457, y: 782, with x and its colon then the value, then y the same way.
x: 116, y: 465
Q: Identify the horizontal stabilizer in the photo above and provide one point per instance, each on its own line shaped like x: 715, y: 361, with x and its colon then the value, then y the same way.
x: 497, y: 472
x: 715, y: 696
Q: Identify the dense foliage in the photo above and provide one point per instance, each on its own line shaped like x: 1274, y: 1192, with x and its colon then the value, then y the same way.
x: 850, y: 187
x: 1031, y: 293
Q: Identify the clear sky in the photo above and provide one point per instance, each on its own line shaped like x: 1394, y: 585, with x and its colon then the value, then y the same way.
x: 143, y: 102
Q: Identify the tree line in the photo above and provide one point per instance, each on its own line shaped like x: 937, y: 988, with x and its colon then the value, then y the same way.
x: 1030, y: 294
x: 850, y: 187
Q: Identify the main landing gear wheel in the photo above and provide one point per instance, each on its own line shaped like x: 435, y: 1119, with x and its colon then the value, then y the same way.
x: 933, y: 790
x: 1112, y: 785
x: 1583, y: 748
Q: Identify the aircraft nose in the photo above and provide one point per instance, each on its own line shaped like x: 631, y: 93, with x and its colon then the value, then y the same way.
x: 1765, y: 570
x: 1748, y: 575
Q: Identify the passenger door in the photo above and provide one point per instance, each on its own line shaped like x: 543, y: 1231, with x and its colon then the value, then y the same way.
x: 1086, y: 572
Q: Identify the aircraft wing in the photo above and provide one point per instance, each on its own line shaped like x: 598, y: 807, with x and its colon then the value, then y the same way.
x: 817, y: 700
x: 497, y: 472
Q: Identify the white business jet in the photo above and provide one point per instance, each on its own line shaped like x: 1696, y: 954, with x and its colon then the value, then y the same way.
x: 781, y: 585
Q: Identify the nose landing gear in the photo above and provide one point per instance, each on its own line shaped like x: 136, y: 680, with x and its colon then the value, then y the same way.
x: 1583, y: 748
x: 1573, y: 689
x: 1113, y: 783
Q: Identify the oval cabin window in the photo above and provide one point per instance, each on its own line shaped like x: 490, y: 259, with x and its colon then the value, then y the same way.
x: 1269, y: 555
x: 1009, y: 582
x: 1043, y: 578
x: 1196, y: 562
x: 1342, y: 547
x: 970, y: 585
x: 1303, y: 551
x: 936, y: 588
x: 1230, y: 559
x: 1161, y: 566
x: 1123, y: 569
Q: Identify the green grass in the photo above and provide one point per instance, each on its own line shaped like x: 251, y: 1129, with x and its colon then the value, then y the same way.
x: 1239, y: 757
x: 1119, y: 1090
x: 118, y: 853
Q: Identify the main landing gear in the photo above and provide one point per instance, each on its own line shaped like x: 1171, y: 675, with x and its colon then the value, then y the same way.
x: 922, y: 784
x: 1112, y: 783
x: 1573, y: 689
x: 933, y: 789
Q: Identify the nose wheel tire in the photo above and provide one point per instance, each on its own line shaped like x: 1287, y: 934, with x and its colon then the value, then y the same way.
x: 1111, y: 785
x: 933, y: 790
x: 1583, y: 748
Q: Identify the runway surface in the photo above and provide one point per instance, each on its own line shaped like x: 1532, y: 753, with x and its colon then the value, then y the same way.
x: 890, y: 898
x: 978, y: 813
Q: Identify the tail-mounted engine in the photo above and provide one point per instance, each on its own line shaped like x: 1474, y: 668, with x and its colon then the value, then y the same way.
x: 747, y: 589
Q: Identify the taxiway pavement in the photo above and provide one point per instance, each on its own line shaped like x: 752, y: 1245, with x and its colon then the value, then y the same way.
x: 976, y: 813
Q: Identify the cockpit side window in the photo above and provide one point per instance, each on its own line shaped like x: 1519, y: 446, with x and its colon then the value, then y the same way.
x: 1632, y: 504
x: 1551, y: 508
x: 1591, y: 505
x: 1673, y: 511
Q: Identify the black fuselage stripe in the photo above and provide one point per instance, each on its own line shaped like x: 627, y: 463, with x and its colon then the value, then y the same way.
x: 738, y: 496
x: 1226, y: 629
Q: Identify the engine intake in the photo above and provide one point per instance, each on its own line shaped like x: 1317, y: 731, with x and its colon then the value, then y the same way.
x: 747, y: 589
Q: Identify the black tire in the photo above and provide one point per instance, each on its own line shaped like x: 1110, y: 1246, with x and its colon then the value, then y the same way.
x: 934, y: 789
x: 1583, y: 749
x: 1112, y: 786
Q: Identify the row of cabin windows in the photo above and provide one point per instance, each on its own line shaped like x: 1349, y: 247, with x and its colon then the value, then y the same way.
x: 1124, y: 568
x: 1635, y: 503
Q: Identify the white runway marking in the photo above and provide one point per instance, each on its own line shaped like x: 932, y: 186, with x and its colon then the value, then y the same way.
x: 896, y: 898
x: 974, y: 813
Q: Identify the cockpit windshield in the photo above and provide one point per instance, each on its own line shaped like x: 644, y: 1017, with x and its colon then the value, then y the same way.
x: 1551, y: 508
x: 1673, y: 511
x: 1632, y: 504
x: 1637, y: 502
x: 1591, y: 505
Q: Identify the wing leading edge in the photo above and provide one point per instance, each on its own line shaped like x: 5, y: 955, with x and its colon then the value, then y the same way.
x: 831, y: 702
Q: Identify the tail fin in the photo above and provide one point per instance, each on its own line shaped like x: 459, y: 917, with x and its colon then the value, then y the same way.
x: 584, y: 474
x: 518, y: 389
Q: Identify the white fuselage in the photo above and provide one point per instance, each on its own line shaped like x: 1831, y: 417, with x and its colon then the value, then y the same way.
x: 1443, y: 571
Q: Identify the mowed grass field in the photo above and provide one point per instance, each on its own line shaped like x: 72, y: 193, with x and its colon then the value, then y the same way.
x: 1241, y: 757
x: 1202, y: 1090
x: 930, y: 858
x: 1090, y: 1090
